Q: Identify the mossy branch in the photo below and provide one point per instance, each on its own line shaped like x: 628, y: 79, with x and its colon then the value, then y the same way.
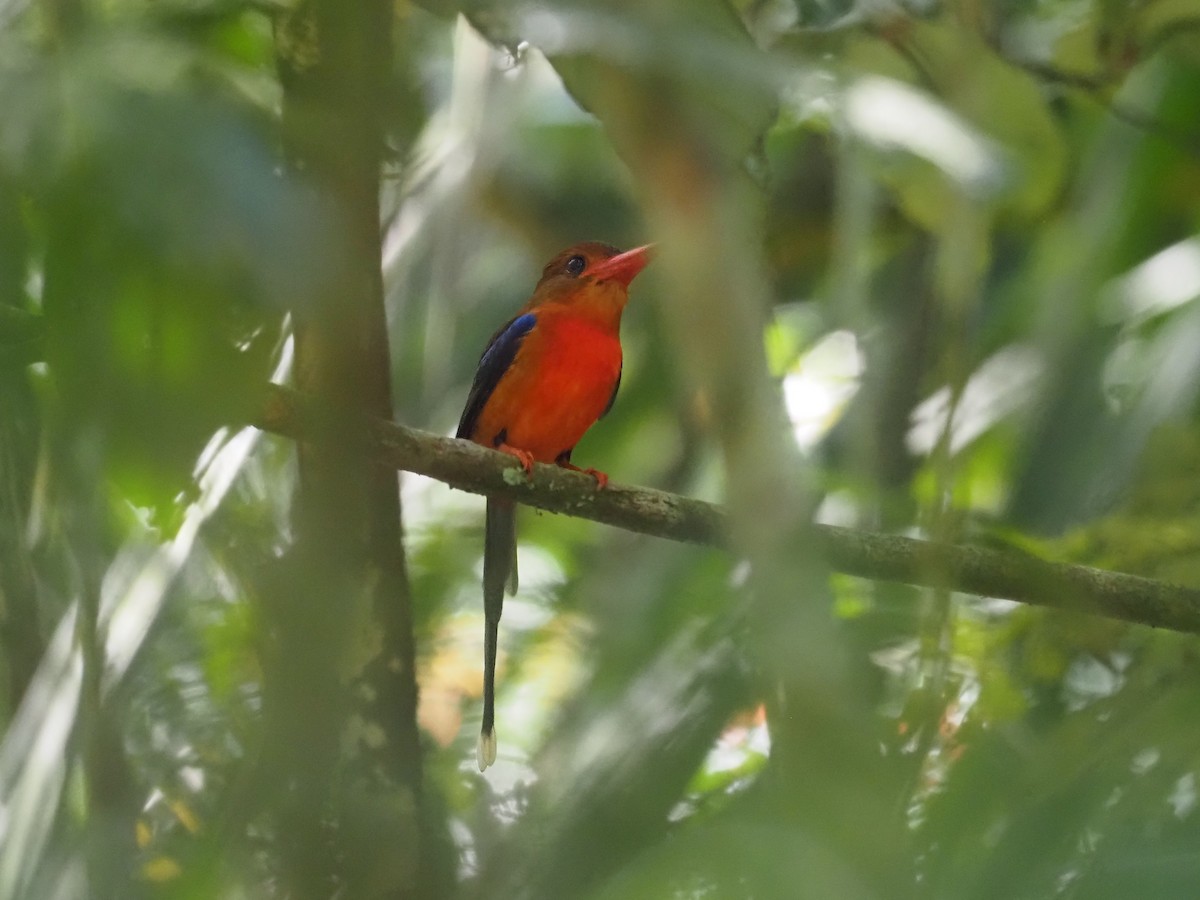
x: 884, y: 557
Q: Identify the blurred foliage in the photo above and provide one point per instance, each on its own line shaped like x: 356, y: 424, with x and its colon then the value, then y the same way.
x: 954, y: 243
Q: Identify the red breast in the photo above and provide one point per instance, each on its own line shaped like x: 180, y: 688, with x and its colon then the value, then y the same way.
x: 559, y: 384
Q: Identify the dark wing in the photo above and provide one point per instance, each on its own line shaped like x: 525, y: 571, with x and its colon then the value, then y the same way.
x: 616, y: 387
x: 501, y: 351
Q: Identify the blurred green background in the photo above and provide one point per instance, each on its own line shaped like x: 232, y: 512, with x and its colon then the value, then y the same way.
x: 924, y: 267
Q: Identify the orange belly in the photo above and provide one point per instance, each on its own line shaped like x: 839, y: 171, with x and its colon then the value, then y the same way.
x: 558, y: 386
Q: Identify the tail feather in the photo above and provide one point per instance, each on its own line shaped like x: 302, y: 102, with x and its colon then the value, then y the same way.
x: 499, y: 572
x: 485, y: 753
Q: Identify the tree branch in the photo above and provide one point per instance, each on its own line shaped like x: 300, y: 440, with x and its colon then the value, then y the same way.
x: 885, y: 557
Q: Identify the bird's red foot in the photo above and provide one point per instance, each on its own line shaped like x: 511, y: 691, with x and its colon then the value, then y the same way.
x: 524, y: 457
x: 601, y: 477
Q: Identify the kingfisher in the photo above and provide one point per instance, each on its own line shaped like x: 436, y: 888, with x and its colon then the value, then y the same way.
x: 546, y: 376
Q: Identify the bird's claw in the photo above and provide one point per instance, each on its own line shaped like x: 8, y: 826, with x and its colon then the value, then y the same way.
x: 601, y: 477
x: 524, y: 457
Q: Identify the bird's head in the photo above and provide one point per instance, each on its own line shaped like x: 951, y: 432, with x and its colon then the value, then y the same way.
x: 592, y: 277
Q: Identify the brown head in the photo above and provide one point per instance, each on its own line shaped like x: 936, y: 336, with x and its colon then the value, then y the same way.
x: 592, y: 276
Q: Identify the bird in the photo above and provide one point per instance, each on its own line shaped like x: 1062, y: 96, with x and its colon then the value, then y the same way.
x: 545, y: 377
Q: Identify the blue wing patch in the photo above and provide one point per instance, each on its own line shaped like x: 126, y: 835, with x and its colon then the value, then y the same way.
x: 499, y: 355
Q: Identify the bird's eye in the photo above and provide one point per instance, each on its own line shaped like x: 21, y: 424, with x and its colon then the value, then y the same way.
x: 575, y: 265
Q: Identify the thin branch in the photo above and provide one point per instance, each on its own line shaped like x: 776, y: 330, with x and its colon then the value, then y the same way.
x: 1094, y: 86
x: 884, y: 557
